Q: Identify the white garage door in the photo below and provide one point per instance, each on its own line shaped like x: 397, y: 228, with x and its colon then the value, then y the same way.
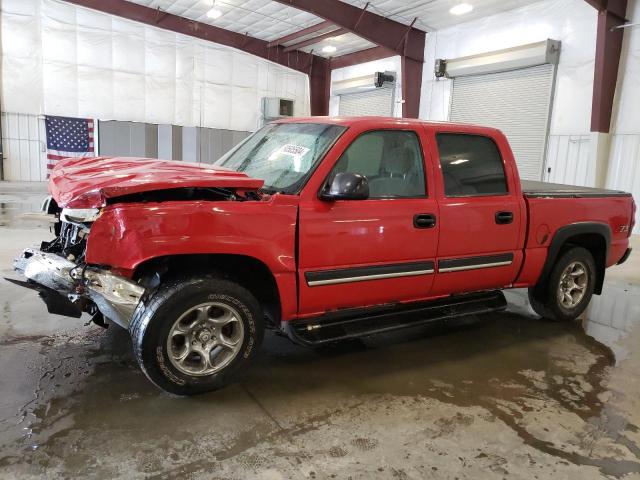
x: 378, y: 102
x: 517, y: 102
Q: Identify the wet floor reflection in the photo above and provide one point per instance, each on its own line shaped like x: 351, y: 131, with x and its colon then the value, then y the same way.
x: 523, y: 371
x: 20, y: 209
x: 562, y: 394
x: 613, y: 315
x: 609, y: 318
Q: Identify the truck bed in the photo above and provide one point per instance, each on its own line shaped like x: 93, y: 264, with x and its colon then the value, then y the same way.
x: 534, y: 189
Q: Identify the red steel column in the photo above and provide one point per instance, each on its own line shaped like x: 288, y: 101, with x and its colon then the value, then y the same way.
x: 411, y: 87
x: 608, y: 49
x: 320, y: 86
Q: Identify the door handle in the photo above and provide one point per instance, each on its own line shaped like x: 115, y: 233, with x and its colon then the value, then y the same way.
x: 504, y: 218
x: 424, y: 220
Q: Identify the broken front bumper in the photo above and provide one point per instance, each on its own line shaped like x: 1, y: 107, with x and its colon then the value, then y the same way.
x: 69, y: 289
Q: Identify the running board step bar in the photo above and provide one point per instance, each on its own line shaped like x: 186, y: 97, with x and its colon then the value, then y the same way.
x: 352, y: 323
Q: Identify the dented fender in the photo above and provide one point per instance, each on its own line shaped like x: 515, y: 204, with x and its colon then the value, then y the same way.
x: 129, y: 234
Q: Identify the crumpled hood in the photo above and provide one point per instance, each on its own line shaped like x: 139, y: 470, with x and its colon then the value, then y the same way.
x: 88, y: 182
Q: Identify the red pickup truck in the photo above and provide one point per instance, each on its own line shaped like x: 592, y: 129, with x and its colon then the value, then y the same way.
x: 320, y: 229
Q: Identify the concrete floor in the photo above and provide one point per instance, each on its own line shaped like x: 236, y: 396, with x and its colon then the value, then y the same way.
x: 497, y: 396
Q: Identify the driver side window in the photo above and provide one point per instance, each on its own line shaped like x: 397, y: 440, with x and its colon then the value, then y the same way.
x: 391, y: 160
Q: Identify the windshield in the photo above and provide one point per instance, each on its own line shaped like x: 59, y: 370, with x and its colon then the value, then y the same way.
x: 282, y: 154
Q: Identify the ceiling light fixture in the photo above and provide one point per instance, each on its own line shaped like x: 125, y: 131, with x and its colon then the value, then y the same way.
x: 329, y: 49
x: 214, y: 13
x: 210, y: 3
x: 461, y: 9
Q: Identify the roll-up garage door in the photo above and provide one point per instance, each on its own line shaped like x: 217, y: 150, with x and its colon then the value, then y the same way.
x: 378, y: 102
x: 517, y: 102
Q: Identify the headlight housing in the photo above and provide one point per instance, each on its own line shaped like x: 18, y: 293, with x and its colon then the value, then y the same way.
x: 79, y: 215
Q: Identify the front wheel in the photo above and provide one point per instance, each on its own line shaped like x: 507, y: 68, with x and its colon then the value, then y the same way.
x: 196, y: 335
x: 569, y: 289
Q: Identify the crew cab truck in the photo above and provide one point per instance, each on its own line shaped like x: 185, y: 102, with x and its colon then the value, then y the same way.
x: 320, y: 229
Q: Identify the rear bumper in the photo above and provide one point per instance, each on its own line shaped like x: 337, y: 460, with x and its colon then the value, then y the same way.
x: 624, y: 257
x: 67, y: 288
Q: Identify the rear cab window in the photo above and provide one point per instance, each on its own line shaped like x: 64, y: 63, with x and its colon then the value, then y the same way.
x: 471, y: 165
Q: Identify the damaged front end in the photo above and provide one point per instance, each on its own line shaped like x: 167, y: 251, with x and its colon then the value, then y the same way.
x: 66, y: 283
x: 83, y: 191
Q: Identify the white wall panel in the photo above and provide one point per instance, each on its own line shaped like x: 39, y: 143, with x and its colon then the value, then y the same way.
x: 59, y: 90
x: 245, y: 108
x: 24, y: 144
x: 60, y: 59
x: 129, y: 102
x: 21, y: 57
x: 569, y: 162
x: 624, y: 167
x: 95, y: 88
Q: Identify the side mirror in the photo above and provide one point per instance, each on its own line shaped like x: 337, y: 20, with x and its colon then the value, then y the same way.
x: 347, y: 186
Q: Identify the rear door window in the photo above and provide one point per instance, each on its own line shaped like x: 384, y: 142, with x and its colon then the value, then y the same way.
x: 471, y: 165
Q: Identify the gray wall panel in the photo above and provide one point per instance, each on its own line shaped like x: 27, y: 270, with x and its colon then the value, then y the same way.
x: 176, y: 144
x: 165, y: 142
x: 171, y: 142
x: 151, y: 140
x: 190, y: 144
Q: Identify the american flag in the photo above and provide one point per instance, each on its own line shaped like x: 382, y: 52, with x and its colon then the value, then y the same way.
x: 68, y: 137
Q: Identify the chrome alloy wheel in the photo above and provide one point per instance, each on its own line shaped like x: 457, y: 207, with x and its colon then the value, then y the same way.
x: 205, y: 339
x: 573, y: 284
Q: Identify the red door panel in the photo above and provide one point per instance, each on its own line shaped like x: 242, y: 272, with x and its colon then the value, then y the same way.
x: 345, y: 236
x: 357, y: 253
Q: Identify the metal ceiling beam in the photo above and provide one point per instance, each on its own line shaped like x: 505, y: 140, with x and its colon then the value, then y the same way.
x: 616, y: 7
x: 396, y: 37
x: 377, y: 29
x: 597, y: 4
x: 314, y: 40
x: 300, y: 61
x: 355, y: 58
x: 300, y: 33
x: 611, y: 14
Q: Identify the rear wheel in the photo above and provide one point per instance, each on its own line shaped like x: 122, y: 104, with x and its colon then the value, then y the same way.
x: 569, y: 288
x: 196, y: 335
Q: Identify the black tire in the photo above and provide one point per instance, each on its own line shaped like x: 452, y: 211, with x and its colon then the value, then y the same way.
x: 152, y: 323
x: 544, y: 298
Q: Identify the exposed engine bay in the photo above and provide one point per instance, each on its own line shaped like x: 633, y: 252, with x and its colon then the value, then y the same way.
x: 70, y: 242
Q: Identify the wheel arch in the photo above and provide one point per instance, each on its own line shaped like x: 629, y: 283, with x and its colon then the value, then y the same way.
x: 250, y: 272
x: 594, y: 236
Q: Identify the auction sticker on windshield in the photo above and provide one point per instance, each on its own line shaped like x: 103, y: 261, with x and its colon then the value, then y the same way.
x: 295, y: 150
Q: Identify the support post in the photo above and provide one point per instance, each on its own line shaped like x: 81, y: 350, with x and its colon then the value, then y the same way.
x: 411, y: 87
x: 608, y: 49
x: 320, y: 86
x: 611, y: 14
